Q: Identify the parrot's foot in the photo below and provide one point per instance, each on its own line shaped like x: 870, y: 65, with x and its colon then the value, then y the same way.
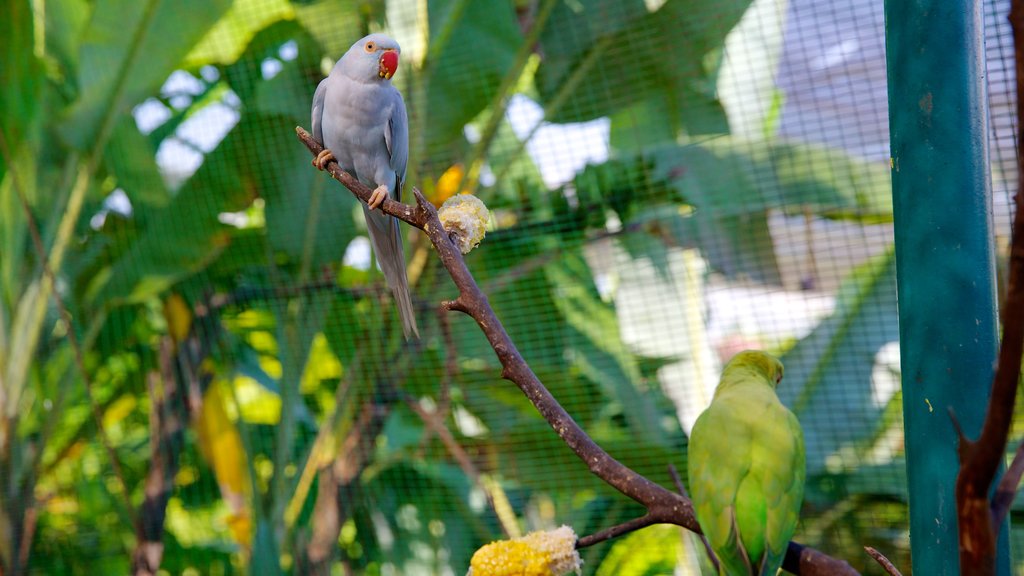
x: 323, y: 158
x: 377, y: 198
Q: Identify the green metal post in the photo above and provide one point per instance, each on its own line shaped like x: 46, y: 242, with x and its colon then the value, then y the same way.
x: 944, y: 255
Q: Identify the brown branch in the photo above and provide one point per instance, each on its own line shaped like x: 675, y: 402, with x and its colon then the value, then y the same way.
x: 979, y: 460
x: 663, y: 506
x: 167, y: 416
x: 1007, y: 489
x: 436, y: 426
x: 884, y: 562
x: 337, y: 482
x: 617, y: 530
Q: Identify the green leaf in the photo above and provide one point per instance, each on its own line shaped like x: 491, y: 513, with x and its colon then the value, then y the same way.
x: 660, y: 119
x: 128, y: 50
x: 21, y: 86
x: 187, y: 235
x: 131, y: 157
x: 831, y: 182
x: 469, y: 67
x: 526, y: 305
x: 424, y: 505
x: 733, y: 184
x: 265, y: 556
x: 830, y: 370
x: 227, y: 40
x: 345, y: 332
x: 335, y: 24
x: 594, y: 345
x: 730, y: 224
x: 21, y: 78
x: 651, y: 552
x: 310, y: 218
x: 628, y: 55
x: 65, y: 21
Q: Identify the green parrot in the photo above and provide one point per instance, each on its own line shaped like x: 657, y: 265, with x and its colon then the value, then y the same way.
x: 747, y: 468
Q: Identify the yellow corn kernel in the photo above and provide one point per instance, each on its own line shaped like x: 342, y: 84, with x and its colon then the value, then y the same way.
x: 548, y: 553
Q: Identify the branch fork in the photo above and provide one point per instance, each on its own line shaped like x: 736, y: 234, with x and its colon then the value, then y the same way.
x: 663, y: 505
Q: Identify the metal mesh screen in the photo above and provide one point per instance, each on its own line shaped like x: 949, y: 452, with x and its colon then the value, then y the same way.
x: 670, y: 182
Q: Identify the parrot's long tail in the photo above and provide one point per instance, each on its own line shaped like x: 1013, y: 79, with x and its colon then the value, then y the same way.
x: 386, y: 239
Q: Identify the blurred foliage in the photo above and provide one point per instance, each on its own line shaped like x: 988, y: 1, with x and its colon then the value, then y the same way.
x: 226, y: 280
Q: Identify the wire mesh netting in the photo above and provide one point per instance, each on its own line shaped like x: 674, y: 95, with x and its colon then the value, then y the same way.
x: 669, y: 182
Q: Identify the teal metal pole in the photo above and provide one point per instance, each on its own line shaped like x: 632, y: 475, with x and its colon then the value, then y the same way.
x: 944, y: 255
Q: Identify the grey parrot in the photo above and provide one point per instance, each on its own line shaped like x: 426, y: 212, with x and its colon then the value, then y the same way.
x: 360, y: 118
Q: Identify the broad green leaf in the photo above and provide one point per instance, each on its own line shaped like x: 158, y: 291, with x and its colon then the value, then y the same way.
x: 128, y: 49
x: 730, y: 224
x: 187, y: 234
x: 344, y: 332
x: 246, y: 254
x: 650, y: 552
x: 228, y: 38
x: 131, y: 157
x: 21, y: 74
x: 833, y: 183
x: 310, y: 218
x: 21, y: 87
x: 830, y: 370
x: 525, y: 305
x: 65, y: 21
x: 266, y: 557
x: 733, y: 184
x: 662, y: 118
x: 468, y: 68
x: 594, y: 345
x: 335, y: 24
x: 628, y: 54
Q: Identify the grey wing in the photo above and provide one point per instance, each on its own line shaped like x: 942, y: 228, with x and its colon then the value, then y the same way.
x: 396, y: 136
x: 317, y: 113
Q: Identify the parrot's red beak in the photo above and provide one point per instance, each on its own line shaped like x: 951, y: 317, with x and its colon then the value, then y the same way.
x: 388, y: 64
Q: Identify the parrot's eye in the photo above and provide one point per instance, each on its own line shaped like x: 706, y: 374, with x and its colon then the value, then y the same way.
x: 370, y: 47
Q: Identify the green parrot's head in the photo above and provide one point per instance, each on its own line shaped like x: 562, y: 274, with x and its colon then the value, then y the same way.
x: 761, y: 362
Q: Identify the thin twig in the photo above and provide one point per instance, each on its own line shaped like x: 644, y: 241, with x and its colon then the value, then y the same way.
x: 451, y: 364
x: 663, y: 506
x: 618, y: 530
x: 1007, y: 489
x: 704, y: 539
x: 883, y: 561
x: 436, y: 426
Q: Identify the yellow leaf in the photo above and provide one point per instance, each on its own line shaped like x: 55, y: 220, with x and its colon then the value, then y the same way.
x: 257, y: 404
x: 449, y: 184
x: 119, y: 410
x: 322, y: 365
x: 221, y: 445
x: 179, y: 317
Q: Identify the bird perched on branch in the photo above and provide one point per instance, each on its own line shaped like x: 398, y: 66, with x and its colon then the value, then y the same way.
x: 747, y: 468
x: 360, y: 118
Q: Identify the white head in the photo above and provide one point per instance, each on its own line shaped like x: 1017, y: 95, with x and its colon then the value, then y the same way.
x: 371, y: 58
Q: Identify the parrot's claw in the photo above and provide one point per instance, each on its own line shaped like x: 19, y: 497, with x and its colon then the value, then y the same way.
x: 323, y: 158
x: 377, y: 198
